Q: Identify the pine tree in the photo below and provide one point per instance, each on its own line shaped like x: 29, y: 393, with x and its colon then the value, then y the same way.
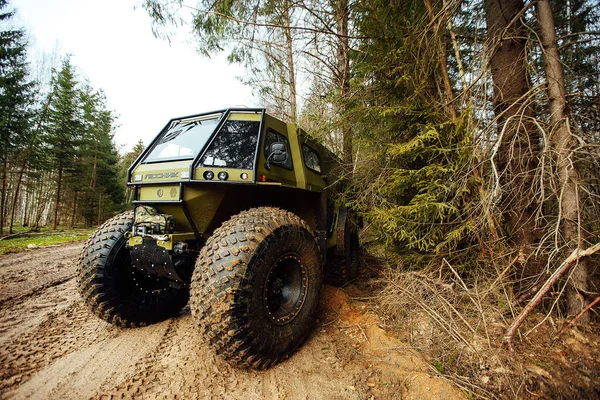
x: 16, y: 105
x: 100, y: 167
x: 412, y: 178
x: 64, y: 128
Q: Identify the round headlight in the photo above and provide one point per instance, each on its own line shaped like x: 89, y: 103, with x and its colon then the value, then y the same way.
x: 244, y: 176
x: 223, y: 176
x: 208, y: 175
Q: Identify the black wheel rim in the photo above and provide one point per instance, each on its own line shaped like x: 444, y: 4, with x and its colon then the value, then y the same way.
x: 285, y: 289
x: 130, y: 278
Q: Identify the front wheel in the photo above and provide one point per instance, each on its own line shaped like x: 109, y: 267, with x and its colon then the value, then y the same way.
x: 256, y: 286
x: 114, y: 289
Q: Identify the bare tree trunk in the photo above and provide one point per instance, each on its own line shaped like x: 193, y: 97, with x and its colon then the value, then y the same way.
x: 43, y: 199
x: 445, y: 77
x: 14, y: 203
x: 564, y: 143
x: 59, y: 183
x: 25, y: 219
x: 3, y: 196
x: 343, y: 71
x: 74, y: 210
x: 290, y: 63
x: 100, y: 207
x: 518, y: 146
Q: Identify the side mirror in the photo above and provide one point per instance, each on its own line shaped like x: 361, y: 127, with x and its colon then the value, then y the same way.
x: 277, y: 154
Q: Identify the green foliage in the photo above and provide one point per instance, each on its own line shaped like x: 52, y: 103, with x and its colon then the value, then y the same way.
x: 421, y: 199
x: 99, y: 159
x: 57, y: 156
x: 16, y: 104
x: 415, y: 186
x: 63, y: 127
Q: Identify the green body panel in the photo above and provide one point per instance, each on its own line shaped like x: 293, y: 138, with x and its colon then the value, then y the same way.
x: 202, y: 204
x: 161, y: 172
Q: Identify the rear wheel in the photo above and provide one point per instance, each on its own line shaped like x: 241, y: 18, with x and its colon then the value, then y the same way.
x: 256, y: 287
x: 114, y: 289
x: 343, y: 269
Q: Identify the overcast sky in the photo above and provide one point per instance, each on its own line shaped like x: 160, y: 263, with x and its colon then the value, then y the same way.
x: 146, y: 80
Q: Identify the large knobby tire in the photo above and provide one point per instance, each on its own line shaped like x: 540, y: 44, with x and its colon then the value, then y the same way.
x: 256, y: 285
x: 343, y: 269
x: 114, y: 289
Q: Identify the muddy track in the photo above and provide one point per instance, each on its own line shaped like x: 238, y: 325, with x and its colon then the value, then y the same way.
x: 52, y: 347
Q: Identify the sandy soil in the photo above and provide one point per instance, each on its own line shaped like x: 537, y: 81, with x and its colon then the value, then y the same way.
x: 52, y: 347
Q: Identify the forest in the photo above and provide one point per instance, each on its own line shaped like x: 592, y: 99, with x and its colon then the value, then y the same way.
x: 469, y: 133
x: 59, y: 164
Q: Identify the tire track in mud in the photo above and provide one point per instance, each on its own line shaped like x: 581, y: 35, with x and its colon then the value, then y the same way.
x: 145, y: 372
x: 53, y: 347
x: 28, y: 273
x: 59, y: 334
x: 182, y: 366
x: 34, y: 287
x: 99, y: 361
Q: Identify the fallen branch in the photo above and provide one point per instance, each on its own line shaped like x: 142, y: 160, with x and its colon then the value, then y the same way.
x: 12, y: 236
x: 575, y: 256
x: 570, y: 324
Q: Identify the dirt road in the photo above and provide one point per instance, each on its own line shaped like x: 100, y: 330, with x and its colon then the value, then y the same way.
x: 52, y: 347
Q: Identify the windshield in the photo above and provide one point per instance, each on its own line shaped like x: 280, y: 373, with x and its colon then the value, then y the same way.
x: 184, y: 139
x: 234, y: 146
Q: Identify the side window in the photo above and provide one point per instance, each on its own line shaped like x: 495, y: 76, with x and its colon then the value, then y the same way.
x: 272, y: 137
x: 311, y: 159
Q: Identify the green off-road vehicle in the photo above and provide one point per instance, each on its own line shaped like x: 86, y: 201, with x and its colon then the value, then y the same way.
x: 232, y: 211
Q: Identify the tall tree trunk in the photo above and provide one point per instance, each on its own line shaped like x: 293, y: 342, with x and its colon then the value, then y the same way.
x: 14, y: 203
x: 43, y: 199
x: 289, y: 48
x: 25, y: 219
x: 442, y: 54
x: 100, y: 207
x: 518, y: 141
x: 342, y: 11
x: 3, y: 196
x: 564, y: 143
x: 59, y: 184
x: 74, y: 210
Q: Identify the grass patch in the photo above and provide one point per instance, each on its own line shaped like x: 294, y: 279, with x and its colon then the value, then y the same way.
x: 42, y: 239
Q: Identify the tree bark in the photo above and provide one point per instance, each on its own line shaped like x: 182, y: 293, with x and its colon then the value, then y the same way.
x: 59, y: 183
x: 74, y: 210
x: 14, y: 203
x: 445, y: 76
x: 3, y: 196
x: 518, y: 146
x: 565, y: 144
x: 342, y: 11
x: 290, y: 65
x: 100, y: 207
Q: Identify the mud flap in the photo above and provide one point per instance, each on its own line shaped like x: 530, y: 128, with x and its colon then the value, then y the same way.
x: 154, y: 261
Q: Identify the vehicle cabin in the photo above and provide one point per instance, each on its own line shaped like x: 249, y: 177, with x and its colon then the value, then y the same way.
x: 202, y: 169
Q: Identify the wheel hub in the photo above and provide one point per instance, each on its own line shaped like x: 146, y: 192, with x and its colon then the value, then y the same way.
x: 285, y: 289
